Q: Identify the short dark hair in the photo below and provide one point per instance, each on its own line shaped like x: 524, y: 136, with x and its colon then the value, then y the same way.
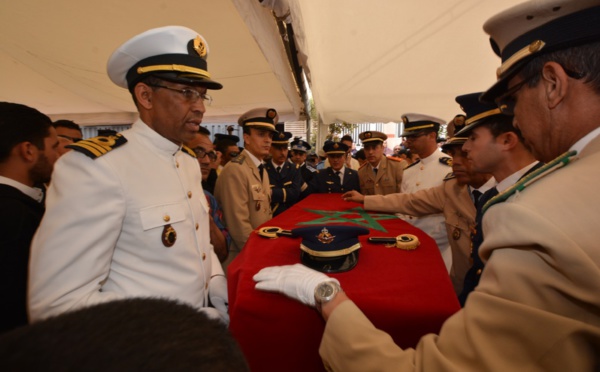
x: 222, y: 145
x: 126, y: 335
x: 499, y: 124
x: 347, y: 137
x: 204, y: 131
x: 360, y: 154
x: 63, y: 123
x: 20, y: 123
x: 581, y: 59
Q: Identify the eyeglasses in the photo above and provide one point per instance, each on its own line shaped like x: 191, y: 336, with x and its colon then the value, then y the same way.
x: 72, y: 139
x: 191, y: 95
x: 201, y: 153
x: 412, y: 138
x: 507, y: 102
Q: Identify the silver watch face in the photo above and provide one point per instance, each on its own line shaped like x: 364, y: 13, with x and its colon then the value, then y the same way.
x: 325, y: 290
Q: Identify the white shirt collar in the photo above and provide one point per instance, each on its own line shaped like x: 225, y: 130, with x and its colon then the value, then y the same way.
x: 33, y: 192
x: 579, y: 145
x: 253, y: 158
x: 513, y: 178
x: 486, y: 186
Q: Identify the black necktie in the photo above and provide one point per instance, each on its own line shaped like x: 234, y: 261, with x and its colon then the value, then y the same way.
x: 485, y: 198
x: 260, y: 171
x: 476, y: 195
x: 338, y: 173
x: 278, y: 169
x: 375, y: 171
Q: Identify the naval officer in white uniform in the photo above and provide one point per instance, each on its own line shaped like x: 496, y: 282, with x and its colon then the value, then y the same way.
x: 126, y: 215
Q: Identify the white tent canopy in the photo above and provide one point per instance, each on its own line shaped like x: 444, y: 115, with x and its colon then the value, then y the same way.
x: 366, y: 60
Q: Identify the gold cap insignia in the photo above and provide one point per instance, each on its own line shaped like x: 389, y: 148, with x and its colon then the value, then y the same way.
x: 199, y: 46
x: 325, y: 237
x: 271, y: 113
x: 368, y: 134
x: 336, y: 146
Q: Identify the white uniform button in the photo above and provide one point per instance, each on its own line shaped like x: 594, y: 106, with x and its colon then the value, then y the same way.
x: 203, y: 256
x: 177, y: 164
x: 189, y: 194
x: 197, y: 226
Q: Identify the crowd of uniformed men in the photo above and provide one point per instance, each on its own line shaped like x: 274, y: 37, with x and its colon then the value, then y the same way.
x: 160, y: 210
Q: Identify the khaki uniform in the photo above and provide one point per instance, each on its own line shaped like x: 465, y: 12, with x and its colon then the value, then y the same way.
x: 244, y: 199
x: 540, y: 288
x: 449, y: 198
x: 388, y: 179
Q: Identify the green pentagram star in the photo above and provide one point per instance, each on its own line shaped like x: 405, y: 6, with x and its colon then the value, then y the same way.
x: 356, y: 216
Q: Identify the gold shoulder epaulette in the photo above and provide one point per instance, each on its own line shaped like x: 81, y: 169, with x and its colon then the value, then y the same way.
x: 239, y: 159
x: 98, y: 146
x: 446, y: 161
x: 449, y: 176
x: 561, y: 161
x: 188, y: 151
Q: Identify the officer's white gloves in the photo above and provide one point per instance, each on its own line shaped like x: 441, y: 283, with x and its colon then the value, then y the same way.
x: 295, y: 281
x: 217, y: 293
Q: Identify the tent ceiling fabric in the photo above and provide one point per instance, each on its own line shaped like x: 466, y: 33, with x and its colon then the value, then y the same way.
x: 368, y: 61
x: 53, y: 57
x: 372, y: 61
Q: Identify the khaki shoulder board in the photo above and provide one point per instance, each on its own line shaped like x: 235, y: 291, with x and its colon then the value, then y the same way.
x: 238, y: 159
x: 449, y: 176
x: 446, y: 161
x: 98, y: 146
x: 413, y: 164
x: 188, y: 151
x: 556, y: 164
x: 363, y: 165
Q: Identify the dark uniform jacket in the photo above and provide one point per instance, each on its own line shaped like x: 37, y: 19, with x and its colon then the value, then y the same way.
x: 326, y: 181
x: 474, y: 273
x: 286, y: 186
x: 20, y: 217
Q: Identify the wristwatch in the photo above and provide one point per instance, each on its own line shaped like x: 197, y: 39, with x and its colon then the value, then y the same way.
x: 325, y: 292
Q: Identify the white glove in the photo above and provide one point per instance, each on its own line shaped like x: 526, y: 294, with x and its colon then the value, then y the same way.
x: 213, y: 313
x: 217, y: 293
x: 295, y: 281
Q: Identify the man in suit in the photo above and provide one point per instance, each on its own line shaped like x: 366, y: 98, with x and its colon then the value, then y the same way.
x: 284, y: 176
x: 29, y: 147
x: 126, y: 212
x: 336, y: 178
x: 536, y: 306
x: 243, y: 189
x: 380, y: 175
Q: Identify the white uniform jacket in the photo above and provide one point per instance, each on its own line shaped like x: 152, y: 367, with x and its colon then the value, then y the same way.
x: 424, y: 174
x: 106, y: 218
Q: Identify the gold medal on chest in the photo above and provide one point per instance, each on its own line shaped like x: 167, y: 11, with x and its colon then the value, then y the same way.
x: 456, y: 233
x: 257, y: 206
x: 169, y: 236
